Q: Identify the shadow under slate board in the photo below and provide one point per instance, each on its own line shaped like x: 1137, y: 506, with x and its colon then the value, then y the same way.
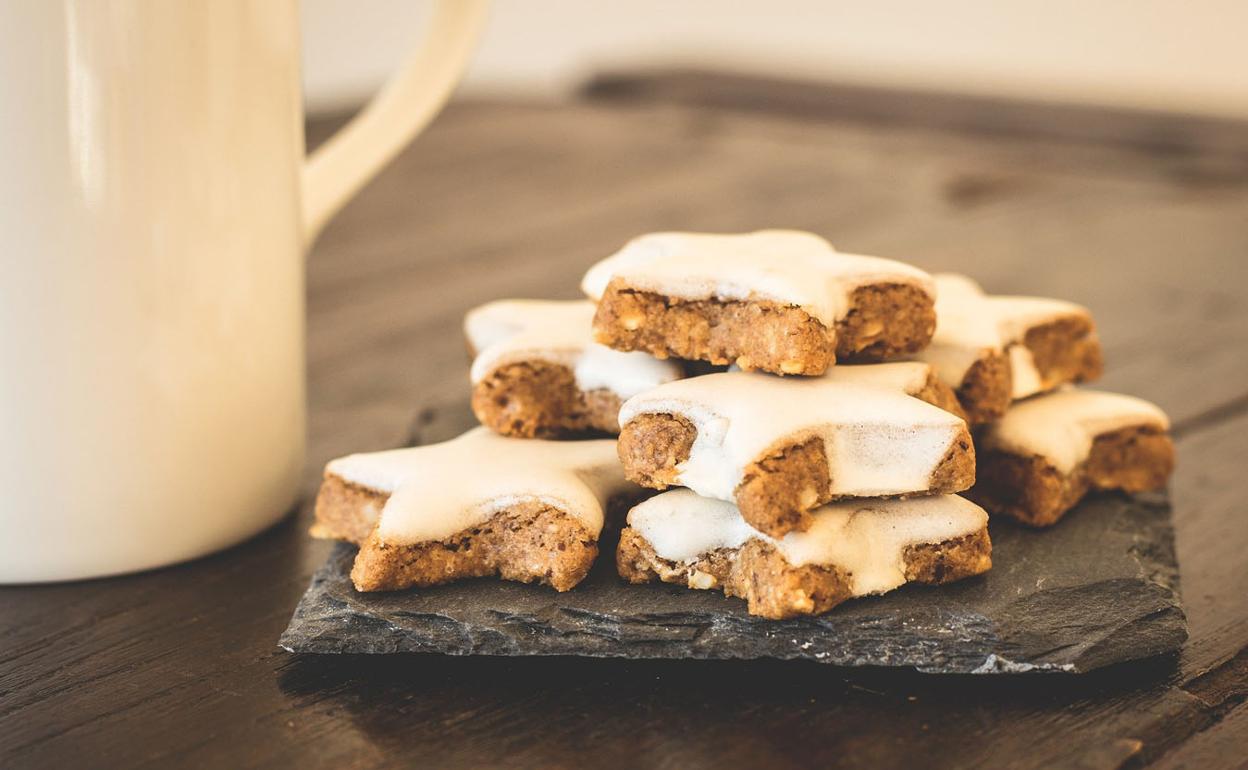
x: 1099, y: 588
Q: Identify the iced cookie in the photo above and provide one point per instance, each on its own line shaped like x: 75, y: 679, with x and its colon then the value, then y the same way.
x: 1048, y: 451
x: 851, y: 549
x: 781, y: 447
x: 781, y: 301
x: 538, y: 372
x: 478, y: 505
x: 993, y: 350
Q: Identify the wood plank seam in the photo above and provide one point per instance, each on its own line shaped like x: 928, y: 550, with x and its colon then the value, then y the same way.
x: 1211, y: 417
x: 1151, y: 131
x: 1223, y: 684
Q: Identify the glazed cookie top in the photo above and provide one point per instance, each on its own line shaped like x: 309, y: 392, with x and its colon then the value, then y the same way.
x: 970, y: 323
x: 905, y: 376
x: 514, y: 330
x: 785, y: 266
x: 865, y: 538
x: 1062, y: 426
x: 440, y: 489
x: 880, y: 440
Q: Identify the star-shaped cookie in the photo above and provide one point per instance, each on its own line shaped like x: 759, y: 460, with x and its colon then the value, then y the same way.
x: 1040, y: 459
x: 853, y: 548
x: 782, y: 301
x: 481, y: 504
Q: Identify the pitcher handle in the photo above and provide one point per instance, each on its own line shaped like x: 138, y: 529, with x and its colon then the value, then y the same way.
x: 404, y: 105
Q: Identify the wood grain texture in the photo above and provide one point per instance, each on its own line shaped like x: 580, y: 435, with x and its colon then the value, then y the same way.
x: 178, y: 667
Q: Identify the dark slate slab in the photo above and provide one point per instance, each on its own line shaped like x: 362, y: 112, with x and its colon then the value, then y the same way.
x: 1099, y: 588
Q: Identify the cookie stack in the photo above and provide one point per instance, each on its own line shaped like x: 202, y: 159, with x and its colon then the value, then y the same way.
x: 804, y: 483
x: 821, y: 466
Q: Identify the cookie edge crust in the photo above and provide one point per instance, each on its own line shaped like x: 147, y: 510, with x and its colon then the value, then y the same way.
x: 985, y: 392
x: 561, y: 557
x: 345, y: 510
x: 530, y: 542
x: 764, y: 334
x: 1065, y: 350
x: 540, y: 399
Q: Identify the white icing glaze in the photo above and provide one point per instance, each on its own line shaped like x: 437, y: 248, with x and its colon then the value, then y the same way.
x: 906, y: 376
x: 681, y: 525
x: 1025, y: 378
x: 786, y: 266
x: 880, y: 441
x: 440, y: 489
x: 971, y: 324
x: 865, y: 538
x: 514, y: 330
x: 1061, y: 426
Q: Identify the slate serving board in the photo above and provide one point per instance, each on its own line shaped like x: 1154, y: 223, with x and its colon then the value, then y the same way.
x: 1099, y: 588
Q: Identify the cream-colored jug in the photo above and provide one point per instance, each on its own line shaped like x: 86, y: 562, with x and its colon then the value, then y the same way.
x: 155, y: 208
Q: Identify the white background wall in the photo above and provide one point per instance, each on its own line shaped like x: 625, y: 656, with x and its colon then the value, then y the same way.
x: 1168, y: 54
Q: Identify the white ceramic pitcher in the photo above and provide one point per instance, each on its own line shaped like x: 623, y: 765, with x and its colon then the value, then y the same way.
x: 155, y: 208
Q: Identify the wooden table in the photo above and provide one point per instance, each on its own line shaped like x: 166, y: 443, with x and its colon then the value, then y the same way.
x: 1143, y: 218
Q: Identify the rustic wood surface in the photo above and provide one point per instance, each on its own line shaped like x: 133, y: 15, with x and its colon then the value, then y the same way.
x: 1143, y: 218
